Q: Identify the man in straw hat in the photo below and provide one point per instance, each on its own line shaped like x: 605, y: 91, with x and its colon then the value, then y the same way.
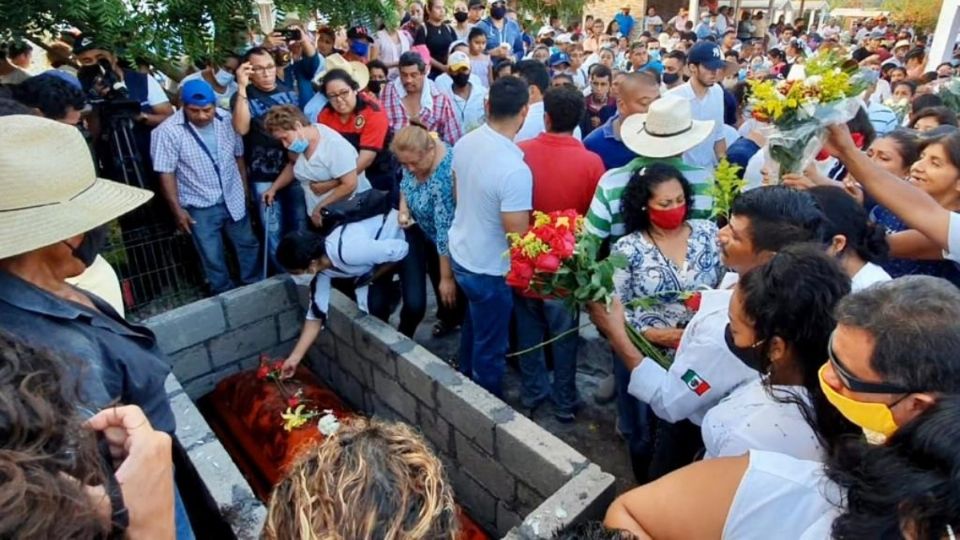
x: 54, y: 220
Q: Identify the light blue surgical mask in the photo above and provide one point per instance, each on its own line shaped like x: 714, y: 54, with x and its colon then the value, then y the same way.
x: 299, y: 146
x: 654, y: 54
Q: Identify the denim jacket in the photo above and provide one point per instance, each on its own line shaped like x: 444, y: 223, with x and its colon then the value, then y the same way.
x: 119, y: 362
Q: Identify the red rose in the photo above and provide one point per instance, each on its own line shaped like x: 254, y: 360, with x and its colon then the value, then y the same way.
x: 520, y: 274
x: 563, y: 245
x: 277, y: 366
x: 293, y: 402
x: 692, y: 302
x: 548, y: 262
x: 263, y: 372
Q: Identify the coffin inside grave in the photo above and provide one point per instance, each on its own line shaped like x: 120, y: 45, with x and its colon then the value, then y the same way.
x: 244, y: 410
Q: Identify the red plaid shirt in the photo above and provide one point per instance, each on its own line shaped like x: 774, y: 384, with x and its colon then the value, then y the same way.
x: 439, y: 116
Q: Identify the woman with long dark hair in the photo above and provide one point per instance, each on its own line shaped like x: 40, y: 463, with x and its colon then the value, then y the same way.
x: 780, y: 324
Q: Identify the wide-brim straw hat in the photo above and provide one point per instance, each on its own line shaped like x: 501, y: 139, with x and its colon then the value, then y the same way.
x: 50, y: 187
x: 357, y: 70
x: 667, y: 129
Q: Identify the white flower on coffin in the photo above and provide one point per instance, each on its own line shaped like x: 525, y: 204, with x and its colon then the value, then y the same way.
x: 814, y: 81
x: 328, y: 423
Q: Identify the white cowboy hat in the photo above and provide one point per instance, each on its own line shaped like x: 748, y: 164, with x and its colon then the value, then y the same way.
x: 57, y: 196
x: 668, y: 129
x: 357, y: 70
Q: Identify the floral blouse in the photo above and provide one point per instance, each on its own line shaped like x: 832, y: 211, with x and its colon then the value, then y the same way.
x: 649, y: 273
x: 905, y: 267
x: 431, y: 202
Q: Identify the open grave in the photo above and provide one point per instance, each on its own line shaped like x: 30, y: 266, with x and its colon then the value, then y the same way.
x: 514, y: 478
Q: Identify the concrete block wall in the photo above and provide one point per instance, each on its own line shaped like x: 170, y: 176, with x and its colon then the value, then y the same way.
x: 515, y: 478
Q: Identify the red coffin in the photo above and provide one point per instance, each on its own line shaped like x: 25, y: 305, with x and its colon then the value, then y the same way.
x: 244, y: 411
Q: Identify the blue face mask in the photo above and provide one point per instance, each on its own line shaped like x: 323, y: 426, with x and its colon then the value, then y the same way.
x: 742, y: 74
x: 360, y: 48
x: 654, y: 55
x: 299, y: 146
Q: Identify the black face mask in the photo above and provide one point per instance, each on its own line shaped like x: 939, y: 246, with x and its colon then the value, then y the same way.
x: 670, y: 78
x: 375, y: 86
x: 460, y: 79
x: 460, y: 16
x: 92, y: 244
x: 751, y: 356
x: 498, y: 12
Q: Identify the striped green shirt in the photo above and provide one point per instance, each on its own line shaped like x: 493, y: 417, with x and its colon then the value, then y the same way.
x: 604, y: 218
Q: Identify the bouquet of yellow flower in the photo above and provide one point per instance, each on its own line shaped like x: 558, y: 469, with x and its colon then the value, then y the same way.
x: 727, y: 185
x: 820, y: 93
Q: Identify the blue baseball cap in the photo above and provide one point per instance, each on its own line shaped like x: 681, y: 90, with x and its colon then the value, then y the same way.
x: 558, y: 58
x: 198, y: 93
x: 707, y: 54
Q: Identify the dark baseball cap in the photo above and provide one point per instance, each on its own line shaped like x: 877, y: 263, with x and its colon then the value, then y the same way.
x: 88, y: 43
x: 359, y: 32
x: 476, y: 4
x: 707, y: 54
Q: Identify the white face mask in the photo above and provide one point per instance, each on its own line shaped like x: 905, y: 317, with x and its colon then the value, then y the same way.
x: 223, y: 77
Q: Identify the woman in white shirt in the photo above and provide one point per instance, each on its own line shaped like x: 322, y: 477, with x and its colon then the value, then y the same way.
x: 391, y: 43
x: 780, y: 324
x: 905, y: 488
x: 326, y: 163
x: 854, y: 240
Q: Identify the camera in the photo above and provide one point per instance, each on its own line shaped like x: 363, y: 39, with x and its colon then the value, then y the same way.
x: 291, y: 34
x: 101, y: 82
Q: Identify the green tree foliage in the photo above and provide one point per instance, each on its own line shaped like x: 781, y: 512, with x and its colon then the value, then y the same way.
x: 165, y: 29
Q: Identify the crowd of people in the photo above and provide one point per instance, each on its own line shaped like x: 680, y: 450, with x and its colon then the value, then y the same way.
x: 811, y: 386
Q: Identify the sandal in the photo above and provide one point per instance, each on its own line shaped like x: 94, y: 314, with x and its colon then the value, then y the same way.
x: 442, y: 328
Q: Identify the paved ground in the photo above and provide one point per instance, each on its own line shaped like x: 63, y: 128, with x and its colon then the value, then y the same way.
x: 593, y: 433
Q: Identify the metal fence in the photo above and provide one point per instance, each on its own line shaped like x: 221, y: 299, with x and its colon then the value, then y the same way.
x: 158, y: 269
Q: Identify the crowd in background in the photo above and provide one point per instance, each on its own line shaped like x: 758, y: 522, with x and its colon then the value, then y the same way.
x: 812, y: 385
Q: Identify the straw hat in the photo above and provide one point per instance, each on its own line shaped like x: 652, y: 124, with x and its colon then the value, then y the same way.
x: 50, y: 189
x: 357, y: 70
x: 668, y: 129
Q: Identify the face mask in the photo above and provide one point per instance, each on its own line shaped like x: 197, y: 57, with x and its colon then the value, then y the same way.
x: 92, y: 244
x: 742, y: 74
x: 460, y: 79
x: 751, y: 356
x: 873, y: 418
x: 654, y: 54
x: 498, y: 12
x: 460, y: 16
x: 222, y: 77
x: 668, y: 219
x: 299, y: 146
x: 375, y: 86
x: 359, y: 48
x: 670, y: 78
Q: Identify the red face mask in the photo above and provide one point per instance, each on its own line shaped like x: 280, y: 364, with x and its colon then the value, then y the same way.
x: 668, y: 219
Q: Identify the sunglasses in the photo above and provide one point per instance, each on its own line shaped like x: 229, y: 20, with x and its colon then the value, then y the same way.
x: 859, y: 385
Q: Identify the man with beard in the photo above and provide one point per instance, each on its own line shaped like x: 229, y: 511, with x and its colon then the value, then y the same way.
x: 504, y: 36
x: 706, y: 66
x: 413, y: 95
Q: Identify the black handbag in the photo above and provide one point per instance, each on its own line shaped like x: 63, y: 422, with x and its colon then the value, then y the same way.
x: 361, y: 206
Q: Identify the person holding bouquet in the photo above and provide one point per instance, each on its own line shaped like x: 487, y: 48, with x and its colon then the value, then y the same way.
x: 667, y: 255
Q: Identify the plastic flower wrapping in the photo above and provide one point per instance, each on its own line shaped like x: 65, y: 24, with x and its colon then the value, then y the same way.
x: 554, y: 258
x: 822, y: 92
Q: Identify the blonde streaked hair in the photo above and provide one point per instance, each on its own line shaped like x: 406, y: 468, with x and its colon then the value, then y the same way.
x: 284, y: 118
x: 414, y: 137
x: 370, y: 480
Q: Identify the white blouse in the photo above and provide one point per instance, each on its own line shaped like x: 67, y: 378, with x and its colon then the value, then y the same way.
x: 750, y: 419
x: 389, y: 51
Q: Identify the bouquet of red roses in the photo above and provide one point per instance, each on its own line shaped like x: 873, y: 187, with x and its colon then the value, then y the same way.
x: 555, y: 259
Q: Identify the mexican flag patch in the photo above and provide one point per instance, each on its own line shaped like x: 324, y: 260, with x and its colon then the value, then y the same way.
x: 695, y: 383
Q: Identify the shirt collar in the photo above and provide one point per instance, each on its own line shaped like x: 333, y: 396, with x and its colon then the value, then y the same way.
x: 426, y: 95
x: 29, y: 297
x: 607, y: 128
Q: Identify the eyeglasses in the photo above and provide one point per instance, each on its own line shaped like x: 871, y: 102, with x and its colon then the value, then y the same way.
x: 859, y: 385
x: 260, y: 70
x: 339, y: 96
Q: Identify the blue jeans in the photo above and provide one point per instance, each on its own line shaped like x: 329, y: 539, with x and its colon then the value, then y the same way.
x: 486, y: 328
x: 537, y: 321
x: 636, y: 422
x: 288, y: 214
x: 181, y: 520
x: 207, y: 233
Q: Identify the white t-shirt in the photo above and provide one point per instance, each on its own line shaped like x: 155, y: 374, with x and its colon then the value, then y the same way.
x: 708, y: 108
x: 155, y: 94
x: 100, y: 279
x: 781, y: 496
x: 533, y: 124
x: 751, y: 419
x: 491, y: 178
x: 333, y: 157
x: 867, y: 276
x: 953, y: 239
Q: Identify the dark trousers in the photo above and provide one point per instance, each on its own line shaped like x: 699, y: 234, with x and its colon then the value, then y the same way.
x: 421, y: 261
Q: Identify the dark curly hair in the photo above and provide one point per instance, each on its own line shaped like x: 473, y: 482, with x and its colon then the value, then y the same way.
x: 639, y: 191
x: 912, y: 481
x: 846, y: 217
x: 45, y: 456
x: 793, y: 297
x: 297, y: 249
x: 780, y: 216
x: 50, y: 94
